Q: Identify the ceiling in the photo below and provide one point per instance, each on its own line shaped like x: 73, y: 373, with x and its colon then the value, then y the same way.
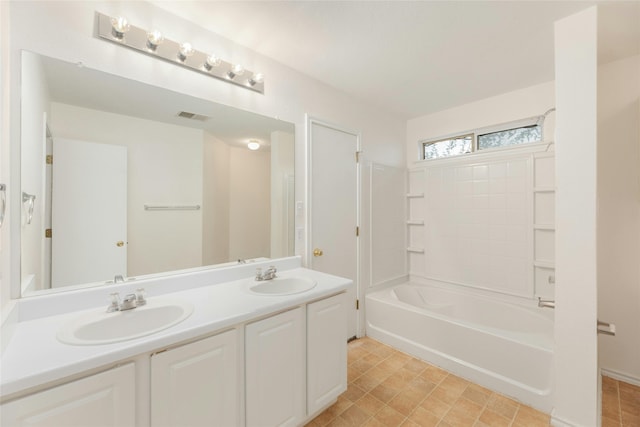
x: 409, y: 58
x: 88, y: 88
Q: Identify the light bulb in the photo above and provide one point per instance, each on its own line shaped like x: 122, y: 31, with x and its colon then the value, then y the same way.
x: 256, y: 78
x: 120, y: 25
x: 212, y: 61
x: 253, y: 145
x: 185, y: 51
x: 236, y: 70
x: 154, y: 38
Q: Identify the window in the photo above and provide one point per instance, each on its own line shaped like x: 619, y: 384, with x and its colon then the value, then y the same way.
x: 447, y: 147
x: 503, y: 138
x: 504, y: 135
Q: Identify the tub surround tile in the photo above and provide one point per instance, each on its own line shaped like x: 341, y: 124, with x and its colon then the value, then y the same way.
x: 388, y: 388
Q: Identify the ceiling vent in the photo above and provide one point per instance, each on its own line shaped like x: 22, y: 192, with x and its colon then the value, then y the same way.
x: 192, y: 116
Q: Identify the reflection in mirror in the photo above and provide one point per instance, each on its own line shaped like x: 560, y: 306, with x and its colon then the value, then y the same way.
x: 131, y: 179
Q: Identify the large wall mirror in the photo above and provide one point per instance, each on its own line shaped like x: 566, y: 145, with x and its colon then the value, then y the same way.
x: 120, y: 178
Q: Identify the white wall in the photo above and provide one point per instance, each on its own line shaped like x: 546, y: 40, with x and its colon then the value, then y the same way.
x: 215, y: 201
x: 250, y: 206
x: 619, y: 215
x: 35, y: 107
x: 5, y: 152
x: 65, y: 30
x: 576, y: 396
x: 164, y: 168
x: 520, y: 104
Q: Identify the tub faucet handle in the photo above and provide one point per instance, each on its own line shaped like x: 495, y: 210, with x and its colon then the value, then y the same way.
x: 546, y: 303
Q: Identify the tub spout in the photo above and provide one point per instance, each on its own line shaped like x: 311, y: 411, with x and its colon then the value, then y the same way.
x: 546, y: 303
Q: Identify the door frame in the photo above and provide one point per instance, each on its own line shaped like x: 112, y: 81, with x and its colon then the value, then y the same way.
x: 308, y: 249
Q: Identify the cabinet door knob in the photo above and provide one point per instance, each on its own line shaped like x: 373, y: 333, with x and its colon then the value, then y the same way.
x: 317, y: 252
x: 120, y: 244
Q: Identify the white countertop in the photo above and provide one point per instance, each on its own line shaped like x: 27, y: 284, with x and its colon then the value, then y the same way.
x: 35, y: 357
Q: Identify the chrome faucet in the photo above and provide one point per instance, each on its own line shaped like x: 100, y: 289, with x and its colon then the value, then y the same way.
x: 269, y: 274
x: 129, y: 302
x: 546, y: 303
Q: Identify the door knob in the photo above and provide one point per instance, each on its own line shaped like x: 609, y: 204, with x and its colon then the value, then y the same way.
x: 120, y: 244
x: 317, y: 252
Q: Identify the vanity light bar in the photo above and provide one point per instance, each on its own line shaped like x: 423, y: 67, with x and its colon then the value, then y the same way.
x: 118, y: 30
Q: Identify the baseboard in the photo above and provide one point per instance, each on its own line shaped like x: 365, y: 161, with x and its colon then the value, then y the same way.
x: 557, y: 422
x: 620, y: 376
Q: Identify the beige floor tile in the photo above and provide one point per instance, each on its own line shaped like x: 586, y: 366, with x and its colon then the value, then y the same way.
x: 424, y: 418
x: 415, y: 365
x: 529, y: 416
x: 477, y: 394
x: 396, y: 382
x: 372, y: 422
x: 503, y: 405
x: 459, y: 418
x: 353, y: 392
x: 446, y: 395
x: 388, y: 388
x: 372, y: 358
x: 378, y: 374
x: 384, y: 393
x: 366, y: 382
x: 406, y: 401
x: 493, y: 419
x: 338, y: 422
x: 609, y: 422
x: 389, y: 417
x: 369, y: 403
x: 434, y: 374
x: 436, y: 406
x: 355, y: 416
x: 468, y: 407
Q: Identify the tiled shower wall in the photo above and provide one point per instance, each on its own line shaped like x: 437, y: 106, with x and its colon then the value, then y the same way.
x: 484, y: 221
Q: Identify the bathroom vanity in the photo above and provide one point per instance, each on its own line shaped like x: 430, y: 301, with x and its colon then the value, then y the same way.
x: 242, y: 357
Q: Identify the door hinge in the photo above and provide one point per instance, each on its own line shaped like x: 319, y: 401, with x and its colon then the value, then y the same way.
x: 47, y: 233
x: 49, y: 159
x: 357, y: 156
x: 357, y: 231
x: 357, y: 304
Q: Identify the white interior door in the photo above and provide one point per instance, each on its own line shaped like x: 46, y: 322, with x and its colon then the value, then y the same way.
x: 333, y: 205
x: 89, y: 212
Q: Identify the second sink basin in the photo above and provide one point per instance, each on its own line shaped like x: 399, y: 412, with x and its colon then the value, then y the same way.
x: 283, y: 286
x: 99, y: 327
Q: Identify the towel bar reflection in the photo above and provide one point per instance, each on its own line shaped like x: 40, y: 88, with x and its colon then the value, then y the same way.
x: 29, y: 201
x: 172, y: 208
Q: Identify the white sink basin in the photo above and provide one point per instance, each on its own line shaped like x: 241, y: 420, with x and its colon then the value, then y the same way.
x: 99, y: 327
x: 283, y: 286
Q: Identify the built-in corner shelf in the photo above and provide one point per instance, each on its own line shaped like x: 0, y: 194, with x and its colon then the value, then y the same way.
x: 544, y: 189
x: 544, y: 264
x: 415, y: 250
x: 415, y: 195
x: 544, y: 227
x: 415, y: 222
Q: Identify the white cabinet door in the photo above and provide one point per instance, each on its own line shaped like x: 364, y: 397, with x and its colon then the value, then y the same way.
x: 326, y: 351
x: 105, y: 399
x: 275, y: 370
x: 196, y: 384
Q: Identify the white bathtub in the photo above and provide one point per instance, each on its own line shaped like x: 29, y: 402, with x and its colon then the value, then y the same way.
x: 505, y: 347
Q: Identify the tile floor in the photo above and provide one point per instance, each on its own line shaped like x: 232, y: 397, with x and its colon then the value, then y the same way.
x: 389, y: 388
x: 620, y: 403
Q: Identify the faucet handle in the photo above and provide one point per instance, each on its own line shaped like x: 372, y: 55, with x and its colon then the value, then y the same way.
x: 259, y: 274
x: 140, y: 297
x: 115, y: 302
